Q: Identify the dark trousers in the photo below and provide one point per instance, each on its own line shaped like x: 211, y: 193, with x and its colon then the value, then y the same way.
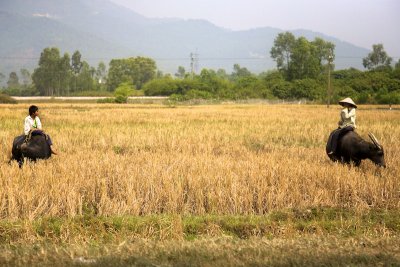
x: 337, y: 134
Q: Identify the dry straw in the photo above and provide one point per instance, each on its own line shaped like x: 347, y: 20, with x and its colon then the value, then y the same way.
x: 220, y: 159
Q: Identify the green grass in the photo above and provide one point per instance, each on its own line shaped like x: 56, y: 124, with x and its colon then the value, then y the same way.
x: 311, y: 237
x: 220, y: 251
x: 282, y: 224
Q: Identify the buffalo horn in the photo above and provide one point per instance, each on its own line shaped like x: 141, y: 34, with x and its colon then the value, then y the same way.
x: 374, y: 140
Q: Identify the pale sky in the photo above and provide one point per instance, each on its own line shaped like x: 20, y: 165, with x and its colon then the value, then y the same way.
x: 361, y: 22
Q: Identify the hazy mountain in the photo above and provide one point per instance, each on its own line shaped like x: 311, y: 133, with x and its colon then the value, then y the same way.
x: 101, y: 30
x: 22, y: 42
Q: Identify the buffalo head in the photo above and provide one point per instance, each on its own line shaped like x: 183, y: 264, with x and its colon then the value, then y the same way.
x: 377, y: 154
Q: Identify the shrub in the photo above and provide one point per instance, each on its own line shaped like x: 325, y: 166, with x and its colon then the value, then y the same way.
x: 282, y: 89
x: 163, y: 87
x: 122, y: 92
x: 106, y: 100
x: 5, y: 99
x: 178, y: 97
x: 29, y: 90
x: 197, y: 94
x: 364, y: 98
x: 121, y: 99
x: 306, y: 88
x: 389, y: 98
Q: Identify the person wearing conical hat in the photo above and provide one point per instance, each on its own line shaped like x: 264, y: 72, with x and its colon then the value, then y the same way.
x: 346, y: 123
x: 348, y: 114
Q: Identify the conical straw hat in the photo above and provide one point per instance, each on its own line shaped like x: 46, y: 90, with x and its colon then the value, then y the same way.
x: 348, y: 100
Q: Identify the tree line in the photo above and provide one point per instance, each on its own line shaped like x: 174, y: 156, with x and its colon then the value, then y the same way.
x: 302, y: 70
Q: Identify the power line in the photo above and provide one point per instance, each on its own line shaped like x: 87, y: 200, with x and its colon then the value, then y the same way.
x: 194, y: 55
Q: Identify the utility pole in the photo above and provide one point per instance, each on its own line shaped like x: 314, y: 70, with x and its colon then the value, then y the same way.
x: 193, y: 63
x: 329, y: 90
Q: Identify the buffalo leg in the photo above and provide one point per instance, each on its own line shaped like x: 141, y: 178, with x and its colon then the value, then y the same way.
x: 346, y: 160
x: 357, y: 162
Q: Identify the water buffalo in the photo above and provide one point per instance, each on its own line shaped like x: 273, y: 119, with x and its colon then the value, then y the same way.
x: 352, y: 148
x: 36, y: 148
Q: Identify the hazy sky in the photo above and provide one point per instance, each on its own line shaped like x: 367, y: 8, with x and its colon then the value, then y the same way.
x: 361, y: 22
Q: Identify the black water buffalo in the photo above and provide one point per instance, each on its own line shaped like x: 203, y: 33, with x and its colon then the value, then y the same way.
x: 36, y: 148
x: 352, y: 148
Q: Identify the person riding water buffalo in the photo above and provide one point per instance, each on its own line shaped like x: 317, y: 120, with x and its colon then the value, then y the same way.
x: 33, y: 126
x: 346, y: 123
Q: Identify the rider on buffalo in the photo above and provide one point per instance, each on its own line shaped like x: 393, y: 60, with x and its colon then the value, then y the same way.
x: 346, y: 146
x: 33, y: 126
x: 346, y: 123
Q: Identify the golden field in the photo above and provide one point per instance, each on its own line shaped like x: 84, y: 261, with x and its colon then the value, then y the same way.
x: 204, y: 185
x: 229, y: 159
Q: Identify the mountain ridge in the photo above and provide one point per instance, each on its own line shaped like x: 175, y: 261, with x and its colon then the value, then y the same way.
x: 102, y: 30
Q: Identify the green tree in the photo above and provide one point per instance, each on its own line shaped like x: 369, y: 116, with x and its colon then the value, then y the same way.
x: 144, y: 70
x: 137, y: 71
x: 13, y: 81
x: 181, y: 73
x: 324, y: 52
x: 299, y: 58
x: 397, y: 65
x: 377, y: 59
x: 83, y: 73
x: 304, y: 59
x: 396, y: 70
x: 210, y: 79
x: 76, y: 63
x: 160, y: 74
x: 239, y: 72
x: 118, y: 73
x: 85, y: 79
x: 214, y: 84
x: 26, y: 77
x: 53, y: 73
x: 272, y: 77
x: 309, y: 59
x: 221, y: 73
x: 282, y: 50
x: 2, y: 78
x: 64, y: 75
x: 101, y: 73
